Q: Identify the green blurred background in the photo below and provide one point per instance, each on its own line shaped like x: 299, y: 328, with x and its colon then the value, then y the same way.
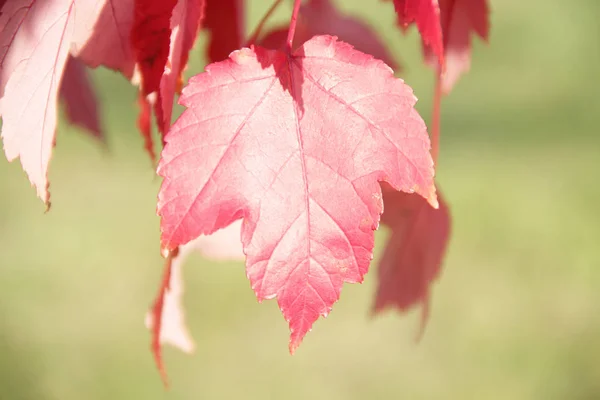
x: 515, y: 315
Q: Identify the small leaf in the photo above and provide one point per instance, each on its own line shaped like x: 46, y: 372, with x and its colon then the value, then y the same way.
x: 459, y: 19
x: 426, y: 14
x: 414, y: 252
x: 224, y: 244
x: 79, y: 97
x: 171, y: 327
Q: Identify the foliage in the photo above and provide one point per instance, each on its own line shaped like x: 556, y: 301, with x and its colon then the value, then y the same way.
x: 294, y: 133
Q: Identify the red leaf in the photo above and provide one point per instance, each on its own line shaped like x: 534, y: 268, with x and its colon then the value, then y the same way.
x: 78, y: 94
x: 35, y: 38
x: 150, y: 38
x: 320, y: 17
x: 225, y: 21
x: 414, y: 252
x: 426, y: 14
x: 185, y: 24
x: 459, y: 19
x: 294, y: 144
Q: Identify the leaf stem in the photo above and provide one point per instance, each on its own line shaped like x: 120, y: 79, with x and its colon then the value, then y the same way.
x: 435, y: 123
x: 262, y: 22
x: 157, y: 311
x: 292, y: 30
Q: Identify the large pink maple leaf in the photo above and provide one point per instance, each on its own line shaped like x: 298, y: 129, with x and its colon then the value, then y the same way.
x: 295, y: 144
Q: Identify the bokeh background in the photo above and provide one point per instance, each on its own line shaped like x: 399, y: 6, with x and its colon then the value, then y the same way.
x: 515, y: 314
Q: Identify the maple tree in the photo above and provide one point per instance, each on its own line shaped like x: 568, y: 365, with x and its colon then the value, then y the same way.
x: 303, y: 133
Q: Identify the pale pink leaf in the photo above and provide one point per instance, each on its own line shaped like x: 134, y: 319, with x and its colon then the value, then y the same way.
x: 173, y: 327
x: 35, y: 40
x: 104, y: 27
x: 224, y: 244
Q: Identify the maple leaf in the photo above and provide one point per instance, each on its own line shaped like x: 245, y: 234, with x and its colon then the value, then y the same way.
x: 320, y: 17
x: 185, y: 24
x: 414, y: 251
x: 295, y: 144
x: 109, y: 44
x: 80, y: 100
x: 225, y: 21
x: 35, y: 39
x: 161, y: 61
x: 426, y: 14
x: 150, y: 36
x: 459, y: 18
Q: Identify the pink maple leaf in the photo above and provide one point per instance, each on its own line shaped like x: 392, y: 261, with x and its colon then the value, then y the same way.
x: 414, y: 251
x: 320, y: 17
x: 295, y: 144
